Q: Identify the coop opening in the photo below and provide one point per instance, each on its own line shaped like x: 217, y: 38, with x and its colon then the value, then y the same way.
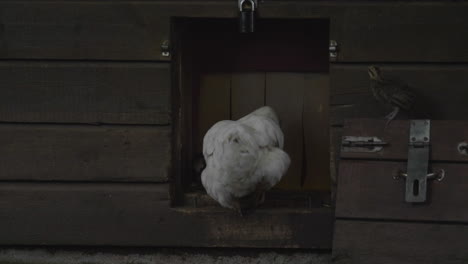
x: 222, y: 74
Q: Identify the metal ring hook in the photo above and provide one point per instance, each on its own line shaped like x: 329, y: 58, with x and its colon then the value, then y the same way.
x: 463, y: 148
x: 438, y: 176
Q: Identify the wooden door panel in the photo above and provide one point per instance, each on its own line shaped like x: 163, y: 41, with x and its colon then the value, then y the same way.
x: 316, y: 132
x: 285, y: 93
x: 247, y: 93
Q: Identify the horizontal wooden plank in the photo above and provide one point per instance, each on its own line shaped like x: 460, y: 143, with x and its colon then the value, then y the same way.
x: 84, y: 153
x: 74, y: 92
x: 445, y: 137
x: 366, y: 189
x: 129, y: 30
x: 357, y: 242
x: 139, y: 215
x: 414, y: 32
x: 273, y: 199
x: 438, y: 91
x: 123, y: 30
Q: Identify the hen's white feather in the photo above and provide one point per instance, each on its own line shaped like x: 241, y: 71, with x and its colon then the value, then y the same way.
x: 242, y: 156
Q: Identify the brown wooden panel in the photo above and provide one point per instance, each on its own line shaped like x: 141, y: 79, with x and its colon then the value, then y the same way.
x: 74, y: 92
x: 413, y: 32
x: 285, y: 94
x: 139, y: 215
x: 366, y: 189
x: 213, y: 105
x: 316, y: 132
x: 438, y: 89
x: 124, y: 30
x: 84, y: 153
x: 357, y: 242
x: 445, y: 137
x: 247, y: 93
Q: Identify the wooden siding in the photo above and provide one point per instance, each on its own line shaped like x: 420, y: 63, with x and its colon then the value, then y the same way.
x: 128, y: 30
x: 362, y: 242
x: 84, y: 153
x: 85, y: 92
x: 97, y: 62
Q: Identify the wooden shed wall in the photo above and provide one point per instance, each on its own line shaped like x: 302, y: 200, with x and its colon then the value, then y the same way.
x: 85, y: 98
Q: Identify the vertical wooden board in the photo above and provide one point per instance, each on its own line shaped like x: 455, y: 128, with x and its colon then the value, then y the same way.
x: 335, y: 146
x: 213, y: 105
x: 285, y: 93
x: 316, y: 132
x: 247, y: 93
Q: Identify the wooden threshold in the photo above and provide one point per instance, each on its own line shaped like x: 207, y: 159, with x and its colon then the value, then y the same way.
x: 140, y: 215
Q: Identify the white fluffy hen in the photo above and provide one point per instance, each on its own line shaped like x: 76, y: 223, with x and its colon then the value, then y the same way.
x: 244, y: 158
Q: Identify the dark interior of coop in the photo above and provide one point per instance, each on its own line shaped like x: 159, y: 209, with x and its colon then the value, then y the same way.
x: 222, y: 74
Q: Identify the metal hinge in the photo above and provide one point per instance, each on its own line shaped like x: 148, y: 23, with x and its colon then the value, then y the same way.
x: 362, y: 144
x: 165, y: 48
x: 333, y: 50
x: 418, y: 162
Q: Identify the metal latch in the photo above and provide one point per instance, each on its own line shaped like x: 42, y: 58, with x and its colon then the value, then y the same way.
x: 418, y: 162
x: 362, y: 144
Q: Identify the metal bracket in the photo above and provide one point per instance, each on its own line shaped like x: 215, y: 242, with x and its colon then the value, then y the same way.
x: 362, y: 144
x: 165, y: 48
x: 418, y: 161
x: 463, y: 148
x: 333, y: 50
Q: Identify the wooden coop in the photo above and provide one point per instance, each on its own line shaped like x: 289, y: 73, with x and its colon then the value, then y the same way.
x: 104, y: 104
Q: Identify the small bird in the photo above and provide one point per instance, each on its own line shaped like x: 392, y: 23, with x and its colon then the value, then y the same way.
x: 244, y: 159
x: 390, y: 92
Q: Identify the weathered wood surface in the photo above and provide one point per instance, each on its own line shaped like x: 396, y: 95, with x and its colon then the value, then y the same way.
x: 359, y: 242
x: 213, y: 105
x: 84, y: 153
x: 139, y: 215
x: 446, y: 135
x: 129, y: 30
x: 124, y: 30
x: 439, y: 89
x: 247, y: 93
x: 316, y: 132
x: 78, y: 92
x: 285, y: 94
x: 274, y: 199
x: 366, y: 189
x: 409, y: 32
